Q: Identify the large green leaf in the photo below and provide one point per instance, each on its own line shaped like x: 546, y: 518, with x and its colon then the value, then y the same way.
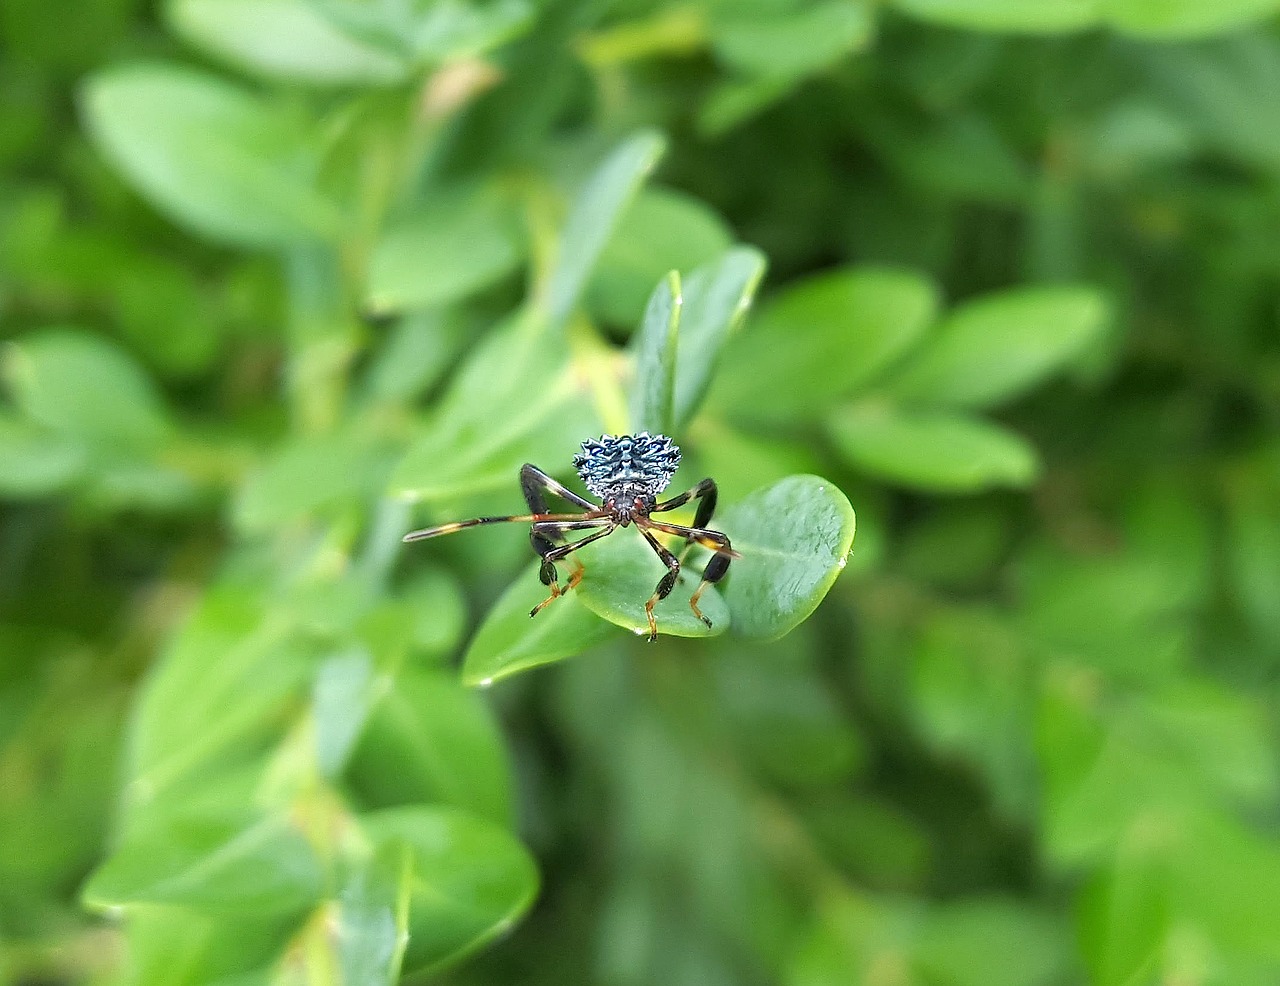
x: 457, y: 242
x: 172, y: 945
x: 662, y: 231
x: 943, y: 453
x: 345, y: 690
x: 821, y: 339
x: 231, y: 669
x: 261, y: 867
x: 282, y: 39
x: 594, y: 216
x: 1039, y: 16
x: 430, y: 740
x: 716, y: 298
x: 793, y: 43
x: 469, y: 880
x: 227, y: 164
x: 993, y: 349
x: 474, y: 443
x: 83, y: 387
x: 1173, y: 19
x: 307, y: 475
x: 653, y: 389
x: 509, y: 641
x: 622, y: 573
x: 36, y: 463
x: 794, y: 538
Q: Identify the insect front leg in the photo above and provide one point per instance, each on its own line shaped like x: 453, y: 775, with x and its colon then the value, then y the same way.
x: 552, y: 553
x: 535, y: 484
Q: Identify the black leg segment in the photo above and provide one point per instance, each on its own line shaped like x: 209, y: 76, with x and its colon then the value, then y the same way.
x: 534, y: 484
x: 665, y: 584
x: 552, y: 553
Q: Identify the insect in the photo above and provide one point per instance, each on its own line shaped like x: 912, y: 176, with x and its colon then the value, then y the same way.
x: 627, y: 472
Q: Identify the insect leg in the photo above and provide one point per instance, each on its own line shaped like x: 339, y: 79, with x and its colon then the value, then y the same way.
x: 664, y: 586
x: 538, y: 518
x: 705, y: 493
x: 716, y: 567
x: 534, y: 484
x: 552, y: 553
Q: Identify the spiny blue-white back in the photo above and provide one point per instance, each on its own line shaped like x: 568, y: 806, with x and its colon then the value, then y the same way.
x: 624, y: 466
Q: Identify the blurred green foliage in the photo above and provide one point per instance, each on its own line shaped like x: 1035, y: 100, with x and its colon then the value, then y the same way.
x: 282, y: 279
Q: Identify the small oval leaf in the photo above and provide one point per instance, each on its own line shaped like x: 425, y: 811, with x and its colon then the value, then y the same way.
x: 458, y: 242
x: 995, y: 348
x: 794, y: 538
x: 821, y: 339
x: 944, y: 453
x: 212, y: 156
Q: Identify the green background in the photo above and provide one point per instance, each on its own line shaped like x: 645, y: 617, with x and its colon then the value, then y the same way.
x: 281, y: 280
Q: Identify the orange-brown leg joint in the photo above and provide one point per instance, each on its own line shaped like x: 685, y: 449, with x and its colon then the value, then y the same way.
x: 653, y: 623
x: 693, y: 602
x: 556, y: 592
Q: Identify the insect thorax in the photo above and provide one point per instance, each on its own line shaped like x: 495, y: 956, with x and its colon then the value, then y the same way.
x: 621, y: 468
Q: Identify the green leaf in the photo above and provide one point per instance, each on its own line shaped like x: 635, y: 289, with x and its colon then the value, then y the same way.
x: 458, y: 242
x: 1023, y: 16
x: 1124, y: 918
x: 307, y: 475
x: 343, y: 694
x: 972, y: 691
x: 663, y: 230
x: 822, y: 339
x: 430, y: 740
x: 36, y: 463
x: 359, y: 934
x: 998, y: 347
x: 213, y: 948
x: 213, y: 157
x: 716, y: 298
x: 1172, y: 19
x: 281, y: 39
x: 430, y: 32
x: 83, y: 387
x: 794, y: 538
x: 231, y: 669
x: 265, y: 867
x: 473, y: 444
x: 413, y: 357
x: 595, y: 215
x: 509, y: 641
x: 993, y: 942
x: 791, y: 44
x: 622, y: 573
x: 654, y: 346
x: 941, y: 453
x: 469, y: 880
x: 448, y: 31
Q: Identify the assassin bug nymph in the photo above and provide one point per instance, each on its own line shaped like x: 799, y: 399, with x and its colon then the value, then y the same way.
x: 627, y: 472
